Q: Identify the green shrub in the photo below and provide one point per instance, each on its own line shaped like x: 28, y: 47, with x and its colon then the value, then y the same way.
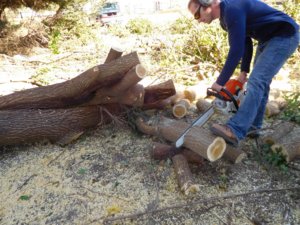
x: 292, y: 111
x: 140, y: 26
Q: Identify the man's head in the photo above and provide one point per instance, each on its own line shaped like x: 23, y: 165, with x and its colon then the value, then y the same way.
x: 204, y: 10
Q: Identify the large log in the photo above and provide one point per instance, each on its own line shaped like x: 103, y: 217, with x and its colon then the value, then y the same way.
x: 197, y: 139
x: 56, y: 125
x: 72, y: 92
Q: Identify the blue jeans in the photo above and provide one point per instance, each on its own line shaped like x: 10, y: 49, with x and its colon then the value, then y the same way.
x: 270, y: 57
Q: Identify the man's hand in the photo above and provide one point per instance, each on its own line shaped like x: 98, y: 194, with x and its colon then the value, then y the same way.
x: 242, y: 77
x: 216, y: 87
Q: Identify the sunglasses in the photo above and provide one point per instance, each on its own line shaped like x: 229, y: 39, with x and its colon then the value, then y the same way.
x: 197, y: 13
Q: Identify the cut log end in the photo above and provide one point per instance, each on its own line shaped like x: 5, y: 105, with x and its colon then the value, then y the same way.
x: 179, y: 111
x: 216, y: 149
x: 180, y: 108
x: 188, y: 189
x: 140, y: 71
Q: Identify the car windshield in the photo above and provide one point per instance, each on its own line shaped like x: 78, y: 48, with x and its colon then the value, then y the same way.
x: 109, y: 7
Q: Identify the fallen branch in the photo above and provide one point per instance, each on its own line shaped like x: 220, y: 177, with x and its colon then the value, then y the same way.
x: 197, y: 202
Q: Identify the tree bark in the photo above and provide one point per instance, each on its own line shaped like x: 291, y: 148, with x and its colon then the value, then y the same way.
x: 184, y: 175
x: 132, y: 97
x: 156, y: 93
x: 280, y: 130
x: 113, y: 54
x: 202, y: 105
x: 72, y: 92
x: 56, y: 125
x: 234, y: 154
x: 163, y: 151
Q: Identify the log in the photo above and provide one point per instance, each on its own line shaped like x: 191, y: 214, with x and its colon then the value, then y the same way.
x: 198, y: 140
x: 184, y: 175
x: 272, y: 109
x: 72, y: 92
x: 195, y: 92
x: 289, y: 150
x: 162, y: 151
x: 114, y: 53
x: 280, y: 131
x: 156, y: 93
x: 202, y: 105
x: 56, y: 125
x: 132, y: 97
x: 180, y: 109
x: 234, y: 154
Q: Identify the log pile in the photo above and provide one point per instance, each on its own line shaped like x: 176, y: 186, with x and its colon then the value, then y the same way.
x: 62, y: 112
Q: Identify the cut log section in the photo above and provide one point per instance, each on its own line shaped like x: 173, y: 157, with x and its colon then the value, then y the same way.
x: 163, y: 151
x: 195, y: 92
x: 180, y: 109
x: 280, y: 131
x: 155, y: 94
x: 234, y: 154
x: 198, y: 140
x: 184, y: 175
x: 114, y: 53
x: 290, y: 150
x: 72, y: 92
x: 202, y: 105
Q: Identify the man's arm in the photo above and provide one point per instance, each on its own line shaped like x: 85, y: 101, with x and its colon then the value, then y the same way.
x: 236, y: 24
x: 247, y: 57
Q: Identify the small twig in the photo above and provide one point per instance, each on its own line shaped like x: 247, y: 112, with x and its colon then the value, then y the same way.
x: 189, y: 204
x: 56, y: 157
x: 25, y: 182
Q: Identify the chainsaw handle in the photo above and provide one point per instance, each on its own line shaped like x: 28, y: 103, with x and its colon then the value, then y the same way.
x: 212, y: 92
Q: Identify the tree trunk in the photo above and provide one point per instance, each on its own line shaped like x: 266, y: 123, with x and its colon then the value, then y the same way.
x: 72, y: 92
x: 56, y: 125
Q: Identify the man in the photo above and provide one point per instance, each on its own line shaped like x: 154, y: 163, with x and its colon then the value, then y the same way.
x: 278, y: 37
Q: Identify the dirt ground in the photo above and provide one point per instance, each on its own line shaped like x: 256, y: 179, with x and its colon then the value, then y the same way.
x: 108, y: 177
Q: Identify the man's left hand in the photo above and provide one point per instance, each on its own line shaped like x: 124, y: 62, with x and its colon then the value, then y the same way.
x: 216, y: 87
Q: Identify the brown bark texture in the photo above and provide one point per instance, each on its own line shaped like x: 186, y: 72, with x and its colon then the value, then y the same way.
x: 62, y: 112
x: 197, y: 139
x: 163, y: 151
x: 56, y: 125
x: 184, y: 175
x: 72, y: 92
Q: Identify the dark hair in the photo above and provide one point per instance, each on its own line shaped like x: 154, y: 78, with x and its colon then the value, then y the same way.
x: 204, y: 3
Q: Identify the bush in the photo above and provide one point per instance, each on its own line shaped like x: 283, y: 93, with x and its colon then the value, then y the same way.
x: 140, y: 26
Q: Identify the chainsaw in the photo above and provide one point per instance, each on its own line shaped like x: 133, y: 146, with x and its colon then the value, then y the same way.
x: 227, y: 101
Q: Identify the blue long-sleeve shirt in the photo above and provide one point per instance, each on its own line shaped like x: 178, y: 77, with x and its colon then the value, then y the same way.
x: 247, y: 19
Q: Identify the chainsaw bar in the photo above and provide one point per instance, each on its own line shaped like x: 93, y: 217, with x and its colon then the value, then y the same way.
x: 199, y: 121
